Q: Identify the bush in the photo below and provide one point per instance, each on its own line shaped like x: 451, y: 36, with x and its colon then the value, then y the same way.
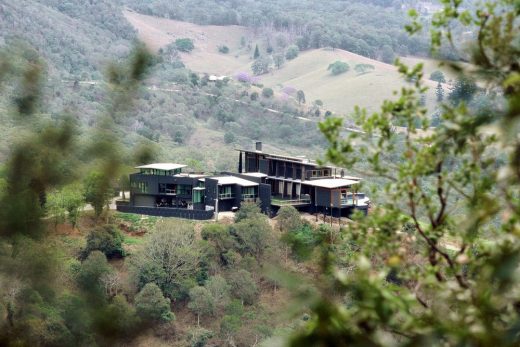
x: 89, y: 273
x: 184, y: 45
x: 338, y: 67
x: 223, y: 49
x: 302, y: 241
x: 438, y: 76
x: 229, y: 137
x: 152, y: 306
x: 254, y: 96
x: 107, y: 239
x: 292, y: 52
x: 267, y: 92
x: 199, y: 337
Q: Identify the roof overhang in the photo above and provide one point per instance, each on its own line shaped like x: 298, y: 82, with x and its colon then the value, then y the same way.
x: 162, y: 166
x: 331, y: 183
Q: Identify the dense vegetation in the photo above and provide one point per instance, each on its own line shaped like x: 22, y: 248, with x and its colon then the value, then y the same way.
x: 371, y: 28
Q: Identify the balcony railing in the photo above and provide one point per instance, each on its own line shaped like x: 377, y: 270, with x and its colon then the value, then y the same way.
x: 226, y: 196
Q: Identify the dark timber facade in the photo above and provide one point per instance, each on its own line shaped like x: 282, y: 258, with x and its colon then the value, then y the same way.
x: 302, y: 183
x: 162, y: 189
x: 270, y: 180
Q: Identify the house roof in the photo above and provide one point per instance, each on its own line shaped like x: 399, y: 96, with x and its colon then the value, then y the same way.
x: 254, y: 174
x: 330, y: 183
x: 161, y: 166
x: 226, y: 180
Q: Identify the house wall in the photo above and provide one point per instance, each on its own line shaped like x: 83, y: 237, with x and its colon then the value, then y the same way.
x: 144, y: 200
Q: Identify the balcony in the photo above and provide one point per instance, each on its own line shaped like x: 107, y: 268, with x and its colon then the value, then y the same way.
x: 290, y: 201
x: 225, y: 196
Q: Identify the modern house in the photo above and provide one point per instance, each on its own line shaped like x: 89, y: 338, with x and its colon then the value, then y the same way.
x: 271, y: 180
x: 303, y: 183
x: 162, y: 189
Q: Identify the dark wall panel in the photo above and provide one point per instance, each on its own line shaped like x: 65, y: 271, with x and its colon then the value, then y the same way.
x: 264, y: 193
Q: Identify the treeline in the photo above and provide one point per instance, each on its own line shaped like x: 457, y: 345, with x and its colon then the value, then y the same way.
x: 74, y: 37
x: 360, y: 27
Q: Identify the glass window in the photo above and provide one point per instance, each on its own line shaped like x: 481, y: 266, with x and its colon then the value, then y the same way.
x: 198, y: 196
x: 183, y: 189
x: 225, y: 192
x: 248, y: 192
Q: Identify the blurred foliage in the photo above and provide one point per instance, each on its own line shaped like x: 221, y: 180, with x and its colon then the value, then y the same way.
x: 416, y: 272
x: 43, y: 161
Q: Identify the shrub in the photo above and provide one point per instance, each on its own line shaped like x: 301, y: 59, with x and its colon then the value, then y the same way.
x: 302, y: 241
x: 184, y: 45
x: 107, y: 239
x: 292, y: 52
x: 267, y: 92
x: 438, y: 76
x: 338, y: 67
x: 89, y: 273
x: 199, y: 337
x: 229, y: 137
x: 223, y: 49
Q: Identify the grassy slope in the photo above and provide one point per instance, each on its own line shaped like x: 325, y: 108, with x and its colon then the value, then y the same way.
x: 307, y: 72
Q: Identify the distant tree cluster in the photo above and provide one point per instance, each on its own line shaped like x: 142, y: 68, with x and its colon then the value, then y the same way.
x: 338, y: 67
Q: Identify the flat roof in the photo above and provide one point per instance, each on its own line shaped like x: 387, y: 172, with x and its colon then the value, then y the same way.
x: 330, y: 183
x: 224, y: 180
x: 254, y: 174
x: 161, y: 166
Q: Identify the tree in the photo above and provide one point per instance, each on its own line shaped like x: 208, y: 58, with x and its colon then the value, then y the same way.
x: 279, y: 60
x: 152, y: 306
x: 338, y: 67
x: 90, y: 273
x: 247, y: 210
x: 243, y: 287
x: 201, y: 302
x: 56, y: 207
x: 289, y: 219
x: 261, y: 66
x: 184, y: 45
x: 66, y: 203
x: 169, y: 257
x: 401, y: 277
x: 98, y: 191
x: 463, y: 90
x: 437, y: 76
x: 439, y: 92
x: 300, y: 96
x: 267, y: 92
x: 256, y: 54
x: 252, y: 235
x: 387, y: 54
x: 219, y: 290
x: 292, y: 52
x: 106, y: 239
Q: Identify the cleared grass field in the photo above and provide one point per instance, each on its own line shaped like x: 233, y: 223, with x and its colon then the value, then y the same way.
x: 307, y: 72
